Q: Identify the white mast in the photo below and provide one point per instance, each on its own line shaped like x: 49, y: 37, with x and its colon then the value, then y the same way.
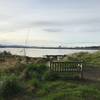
x: 26, y: 40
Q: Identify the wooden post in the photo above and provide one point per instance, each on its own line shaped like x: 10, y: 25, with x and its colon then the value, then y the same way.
x: 81, y: 66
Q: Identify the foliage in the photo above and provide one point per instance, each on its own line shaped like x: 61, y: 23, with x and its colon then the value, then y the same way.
x: 5, y: 53
x: 35, y: 71
x: 34, y: 82
x: 9, y: 86
x: 50, y: 76
x: 85, y: 57
x: 71, y: 91
x: 41, y: 84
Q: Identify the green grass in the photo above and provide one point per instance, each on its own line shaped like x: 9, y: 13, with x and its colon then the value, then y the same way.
x: 69, y: 90
x: 35, y: 82
x: 85, y: 57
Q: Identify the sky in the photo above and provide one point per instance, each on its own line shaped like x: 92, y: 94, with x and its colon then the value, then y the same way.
x: 50, y: 22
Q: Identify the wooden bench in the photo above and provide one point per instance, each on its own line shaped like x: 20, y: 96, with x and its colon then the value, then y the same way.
x: 67, y: 67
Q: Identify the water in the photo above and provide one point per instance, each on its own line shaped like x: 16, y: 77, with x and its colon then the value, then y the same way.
x: 42, y: 52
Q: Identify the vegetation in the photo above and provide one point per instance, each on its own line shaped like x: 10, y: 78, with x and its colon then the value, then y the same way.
x: 36, y: 82
x: 9, y: 86
x: 5, y: 53
x: 85, y: 57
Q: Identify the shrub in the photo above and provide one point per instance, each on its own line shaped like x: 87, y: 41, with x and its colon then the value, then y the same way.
x: 50, y: 76
x: 32, y: 86
x: 9, y: 86
x: 34, y: 82
x: 36, y: 71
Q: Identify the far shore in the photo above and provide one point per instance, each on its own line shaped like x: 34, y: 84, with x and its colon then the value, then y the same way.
x: 52, y: 47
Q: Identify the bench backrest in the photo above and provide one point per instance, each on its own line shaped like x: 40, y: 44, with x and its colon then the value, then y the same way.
x: 66, y: 66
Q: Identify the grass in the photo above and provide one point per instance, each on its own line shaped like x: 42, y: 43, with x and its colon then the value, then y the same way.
x: 56, y: 89
x: 34, y: 81
x: 67, y: 90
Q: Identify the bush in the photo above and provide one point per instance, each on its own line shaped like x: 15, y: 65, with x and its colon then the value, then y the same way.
x: 9, y: 86
x: 32, y: 86
x: 50, y: 76
x: 35, y: 71
x: 34, y: 82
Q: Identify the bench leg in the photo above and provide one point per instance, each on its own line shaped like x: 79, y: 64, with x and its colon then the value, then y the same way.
x: 81, y: 75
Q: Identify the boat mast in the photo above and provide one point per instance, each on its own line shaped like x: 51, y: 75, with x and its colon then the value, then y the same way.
x: 26, y: 40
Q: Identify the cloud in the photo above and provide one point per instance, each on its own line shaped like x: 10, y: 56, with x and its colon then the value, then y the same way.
x: 94, y: 20
x: 53, y: 30
x: 72, y: 19
x: 83, y: 25
x: 18, y: 15
x: 86, y: 23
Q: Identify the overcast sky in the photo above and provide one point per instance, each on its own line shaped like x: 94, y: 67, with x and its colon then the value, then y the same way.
x: 50, y: 22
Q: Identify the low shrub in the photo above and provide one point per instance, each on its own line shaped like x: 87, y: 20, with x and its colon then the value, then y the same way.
x: 36, y: 71
x: 32, y: 86
x: 50, y: 76
x: 9, y: 86
x: 34, y: 83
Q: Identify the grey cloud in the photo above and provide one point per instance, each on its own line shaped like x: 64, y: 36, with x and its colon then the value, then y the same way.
x: 91, y: 29
x: 53, y: 30
x: 47, y: 23
x: 55, y: 26
x: 80, y: 21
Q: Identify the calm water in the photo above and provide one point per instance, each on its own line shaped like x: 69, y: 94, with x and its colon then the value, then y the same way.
x: 41, y: 52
